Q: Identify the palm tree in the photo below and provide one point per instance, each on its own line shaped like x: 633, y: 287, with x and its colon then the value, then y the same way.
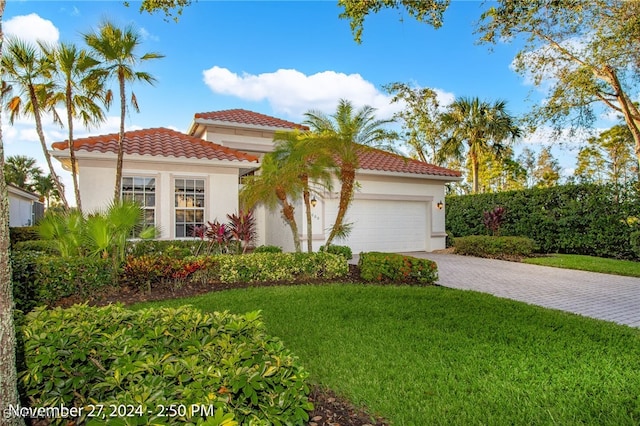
x: 22, y: 171
x: 312, y: 161
x: 344, y: 133
x: 25, y: 69
x: 117, y: 48
x: 80, y: 85
x: 272, y: 187
x: 481, y: 126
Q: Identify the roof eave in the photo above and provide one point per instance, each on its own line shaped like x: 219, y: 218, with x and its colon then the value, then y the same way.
x: 444, y: 178
x: 61, y: 155
x: 208, y: 122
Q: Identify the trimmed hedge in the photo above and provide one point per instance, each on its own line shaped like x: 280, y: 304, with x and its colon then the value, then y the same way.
x: 148, y: 271
x: 579, y: 219
x: 267, y: 249
x: 174, y: 248
x: 39, y: 278
x: 344, y: 251
x: 43, y: 246
x: 494, y: 247
x: 158, y: 358
x: 397, y: 268
x: 23, y: 233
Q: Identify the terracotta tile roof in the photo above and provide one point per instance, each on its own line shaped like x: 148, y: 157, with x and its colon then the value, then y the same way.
x: 159, y: 142
x: 242, y: 116
x: 376, y: 159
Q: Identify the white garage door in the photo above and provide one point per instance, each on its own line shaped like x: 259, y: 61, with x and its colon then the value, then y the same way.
x: 384, y: 225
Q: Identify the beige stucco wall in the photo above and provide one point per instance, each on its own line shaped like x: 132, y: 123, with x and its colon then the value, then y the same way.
x: 97, y: 178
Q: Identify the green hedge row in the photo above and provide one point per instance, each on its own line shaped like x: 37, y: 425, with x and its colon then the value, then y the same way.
x: 580, y: 219
x: 149, y: 271
x: 41, y: 279
x: 173, y: 362
x: 23, y: 233
x: 494, y: 247
x: 397, y: 268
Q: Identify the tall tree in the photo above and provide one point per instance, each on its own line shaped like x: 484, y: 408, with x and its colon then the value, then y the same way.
x: 585, y: 52
x: 420, y: 120
x: 344, y: 133
x: 275, y: 185
x: 310, y: 159
x: 475, y: 127
x: 8, y: 373
x: 527, y: 159
x: 608, y: 157
x: 22, y: 171
x: 547, y: 171
x: 79, y: 89
x: 26, y: 70
x: 429, y: 11
x: 500, y: 173
x: 117, y: 48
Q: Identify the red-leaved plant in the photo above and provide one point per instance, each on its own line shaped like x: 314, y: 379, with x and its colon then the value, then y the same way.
x: 243, y: 228
x: 493, y: 219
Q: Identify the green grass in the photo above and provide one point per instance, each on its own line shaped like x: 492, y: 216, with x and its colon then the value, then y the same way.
x: 432, y: 355
x: 588, y: 263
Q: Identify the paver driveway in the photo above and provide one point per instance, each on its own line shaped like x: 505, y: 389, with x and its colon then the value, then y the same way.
x: 608, y: 297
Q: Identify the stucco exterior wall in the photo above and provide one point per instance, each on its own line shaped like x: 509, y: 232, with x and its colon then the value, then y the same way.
x: 221, y: 187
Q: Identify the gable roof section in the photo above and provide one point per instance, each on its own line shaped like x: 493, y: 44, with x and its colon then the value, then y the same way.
x: 159, y: 142
x: 242, y: 116
x: 379, y: 160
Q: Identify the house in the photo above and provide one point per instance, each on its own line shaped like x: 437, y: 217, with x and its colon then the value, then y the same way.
x: 184, y: 180
x: 25, y: 208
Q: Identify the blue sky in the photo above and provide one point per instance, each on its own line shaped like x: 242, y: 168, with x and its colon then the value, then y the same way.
x: 280, y: 58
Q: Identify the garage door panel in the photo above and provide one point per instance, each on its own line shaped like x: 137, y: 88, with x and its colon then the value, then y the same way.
x: 385, y: 225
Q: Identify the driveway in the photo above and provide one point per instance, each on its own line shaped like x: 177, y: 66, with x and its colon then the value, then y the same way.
x: 602, y: 296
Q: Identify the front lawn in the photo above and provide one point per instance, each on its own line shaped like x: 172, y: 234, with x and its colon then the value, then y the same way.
x: 588, y: 263
x: 432, y: 355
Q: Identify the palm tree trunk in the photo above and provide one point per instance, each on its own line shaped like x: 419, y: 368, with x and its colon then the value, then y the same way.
x: 306, y: 195
x: 54, y: 175
x: 119, y: 161
x: 476, y: 168
x: 72, y: 150
x: 288, y: 213
x: 348, y: 177
x: 8, y: 374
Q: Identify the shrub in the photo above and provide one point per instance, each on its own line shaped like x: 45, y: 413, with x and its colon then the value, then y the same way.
x: 493, y: 219
x: 42, y: 246
x: 23, y: 233
x: 24, y: 265
x: 174, y: 248
x: 344, y: 251
x: 145, y: 272
x: 495, y: 247
x: 397, y: 268
x: 267, y: 249
x: 579, y: 219
x: 634, y: 240
x: 162, y: 357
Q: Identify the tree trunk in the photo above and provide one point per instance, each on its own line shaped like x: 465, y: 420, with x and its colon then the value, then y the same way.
x: 347, y: 177
x: 307, y: 204
x: 120, y: 160
x: 476, y: 169
x: 72, y: 151
x: 54, y: 175
x: 288, y: 214
x: 8, y: 373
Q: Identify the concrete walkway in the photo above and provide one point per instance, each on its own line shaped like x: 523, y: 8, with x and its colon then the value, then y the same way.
x: 608, y: 297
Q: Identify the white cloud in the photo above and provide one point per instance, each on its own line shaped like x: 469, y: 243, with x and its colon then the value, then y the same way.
x: 31, y: 28
x: 293, y: 93
x: 547, y: 136
x: 146, y: 35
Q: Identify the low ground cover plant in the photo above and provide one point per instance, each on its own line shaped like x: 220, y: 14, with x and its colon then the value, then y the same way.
x: 344, y: 251
x: 494, y: 247
x: 153, y: 359
x: 397, y: 268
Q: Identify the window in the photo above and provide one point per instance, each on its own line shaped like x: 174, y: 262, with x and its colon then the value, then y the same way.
x: 143, y: 191
x: 189, y: 205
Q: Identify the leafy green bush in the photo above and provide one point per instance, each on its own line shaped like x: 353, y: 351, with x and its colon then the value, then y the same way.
x: 57, y: 277
x: 174, y: 248
x: 43, y: 246
x: 160, y: 358
x: 149, y: 271
x: 344, y: 251
x: 268, y: 249
x: 24, y: 265
x: 23, y: 233
x: 494, y: 247
x: 396, y: 268
x: 634, y: 240
x: 577, y: 219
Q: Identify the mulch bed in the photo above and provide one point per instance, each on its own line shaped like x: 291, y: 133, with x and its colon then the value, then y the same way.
x: 329, y: 408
